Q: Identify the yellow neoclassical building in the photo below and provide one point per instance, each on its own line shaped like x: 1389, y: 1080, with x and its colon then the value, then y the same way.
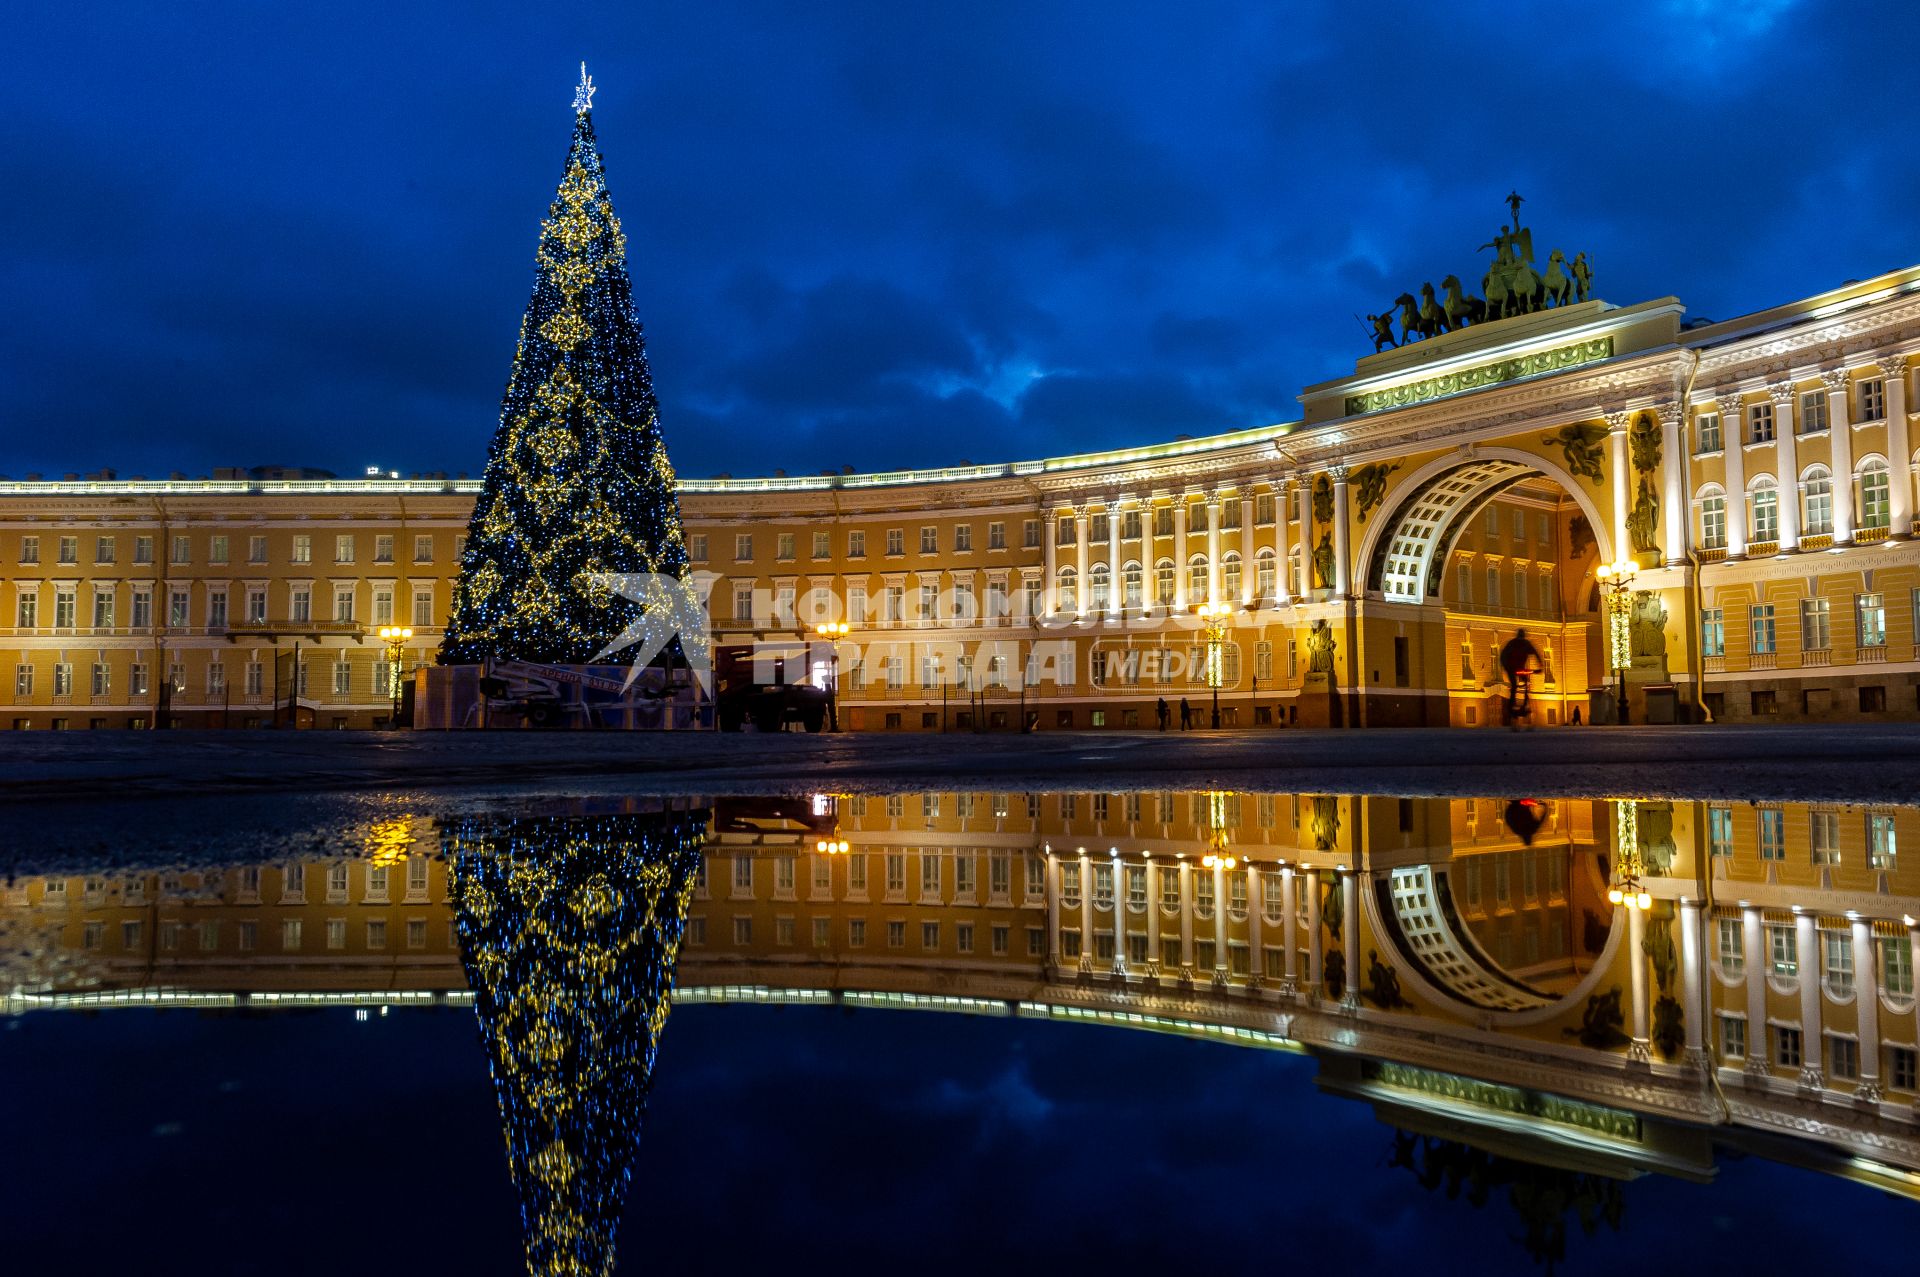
x: 1360, y: 565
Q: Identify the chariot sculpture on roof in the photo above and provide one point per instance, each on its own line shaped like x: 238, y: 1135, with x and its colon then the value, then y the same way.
x: 1512, y: 285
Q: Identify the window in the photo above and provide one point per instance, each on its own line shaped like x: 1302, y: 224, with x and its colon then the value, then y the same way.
x: 1030, y: 533
x: 1493, y: 587
x: 929, y: 540
x: 177, y: 609
x: 28, y: 610
x: 1823, y: 837
x: 1707, y: 426
x: 422, y: 606
x: 256, y: 605
x: 783, y: 546
x: 1896, y: 966
x: 996, y: 536
x: 1843, y: 1058
x: 1873, y: 399
x: 1713, y: 632
x: 182, y: 549
x: 300, y: 604
x: 1901, y: 1067
x: 1766, y: 511
x: 896, y: 541
x: 963, y: 537
x: 29, y: 549
x: 1720, y: 831
x: 1837, y: 950
x: 1762, y: 627
x: 383, y: 549
x: 69, y: 549
x: 1760, y: 423
x: 102, y: 678
x: 1816, y: 625
x: 342, y: 678
x: 343, y: 548
x: 856, y: 545
x: 697, y: 547
x: 1819, y: 502
x: 1880, y: 840
x: 302, y: 549
x: 1733, y: 947
x: 290, y: 934
x: 1874, y: 505
x: 137, y: 679
x: 217, y: 609
x: 1813, y: 412
x: 743, y: 547
x: 64, y: 608
x: 103, y: 549
x: 1870, y: 619
x: 1783, y: 953
x: 1773, y: 833
x: 103, y: 609
x: 343, y: 603
x: 23, y: 680
x: 1733, y: 1037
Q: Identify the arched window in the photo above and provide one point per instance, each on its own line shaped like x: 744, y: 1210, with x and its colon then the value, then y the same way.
x: 1197, y: 579
x: 1163, y: 583
x: 1100, y: 580
x: 1263, y: 579
x: 1713, y: 520
x: 1765, y: 500
x: 1133, y: 582
x: 1230, y: 575
x: 1875, y: 494
x: 1069, y: 590
x: 1819, y: 502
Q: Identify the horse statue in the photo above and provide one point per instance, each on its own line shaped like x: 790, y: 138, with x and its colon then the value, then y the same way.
x: 1460, y: 309
x: 1494, y: 285
x: 1433, y: 319
x: 1410, y: 325
x: 1559, y: 289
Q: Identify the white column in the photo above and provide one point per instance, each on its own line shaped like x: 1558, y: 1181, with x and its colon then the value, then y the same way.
x: 1283, y: 540
x: 1289, y: 932
x: 1753, y: 944
x: 1316, y: 981
x: 1350, y: 935
x: 1786, y: 448
x: 1186, y: 920
x: 1693, y: 975
x: 1620, y: 479
x: 1342, y: 565
x: 1153, y: 915
x: 1053, y: 910
x: 1086, y: 912
x: 1213, y: 547
x: 1256, y: 943
x: 1637, y: 1048
x: 1119, y: 915
x: 1051, y: 599
x: 1899, y: 448
x: 1248, y: 576
x: 1840, y: 445
x: 1806, y: 938
x: 1083, y: 529
x: 1736, y: 475
x: 1220, y: 912
x: 1866, y: 1003
x: 1180, y: 507
x: 1114, y: 595
x: 1673, y: 486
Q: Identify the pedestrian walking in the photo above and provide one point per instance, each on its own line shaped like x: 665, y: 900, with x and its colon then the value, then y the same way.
x: 1186, y: 713
x: 1160, y: 711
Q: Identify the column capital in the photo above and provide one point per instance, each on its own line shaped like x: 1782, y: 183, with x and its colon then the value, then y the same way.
x: 1618, y: 419
x: 1339, y: 471
x: 1782, y: 393
x: 1728, y: 404
x: 1836, y: 380
x: 1668, y: 411
x: 1892, y: 364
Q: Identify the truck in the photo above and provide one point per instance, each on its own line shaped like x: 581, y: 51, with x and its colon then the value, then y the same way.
x: 751, y: 685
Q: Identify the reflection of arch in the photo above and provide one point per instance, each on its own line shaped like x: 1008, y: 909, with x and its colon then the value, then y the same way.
x: 1445, y: 964
x: 1405, y: 551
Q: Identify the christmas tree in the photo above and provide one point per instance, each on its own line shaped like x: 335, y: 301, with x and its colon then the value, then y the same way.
x: 575, y: 541
x: 569, y: 930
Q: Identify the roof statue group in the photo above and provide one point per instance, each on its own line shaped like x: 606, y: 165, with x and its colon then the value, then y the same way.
x: 1512, y: 286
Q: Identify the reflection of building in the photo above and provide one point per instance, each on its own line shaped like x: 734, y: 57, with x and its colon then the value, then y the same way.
x: 1760, y: 471
x: 1531, y: 1007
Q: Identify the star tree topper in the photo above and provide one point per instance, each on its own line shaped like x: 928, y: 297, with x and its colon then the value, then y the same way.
x: 583, y: 92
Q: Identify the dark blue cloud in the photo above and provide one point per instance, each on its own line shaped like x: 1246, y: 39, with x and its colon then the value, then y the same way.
x: 872, y: 233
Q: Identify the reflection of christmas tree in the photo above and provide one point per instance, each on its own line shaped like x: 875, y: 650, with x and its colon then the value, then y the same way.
x: 577, y: 483
x: 569, y: 927
x: 1543, y: 1197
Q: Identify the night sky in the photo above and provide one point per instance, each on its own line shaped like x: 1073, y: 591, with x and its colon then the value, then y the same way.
x: 877, y: 235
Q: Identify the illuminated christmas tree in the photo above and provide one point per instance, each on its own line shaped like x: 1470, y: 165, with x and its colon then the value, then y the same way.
x: 578, y: 491
x: 569, y: 930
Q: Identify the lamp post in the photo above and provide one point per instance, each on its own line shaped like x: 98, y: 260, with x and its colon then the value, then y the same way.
x: 1217, y: 853
x: 395, y: 637
x: 1215, y: 617
x: 833, y: 632
x: 1617, y: 580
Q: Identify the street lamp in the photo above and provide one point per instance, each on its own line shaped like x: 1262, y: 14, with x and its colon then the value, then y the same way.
x: 1617, y: 580
x: 833, y: 632
x: 1215, y: 616
x: 1626, y: 855
x: 1217, y: 854
x: 395, y: 637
